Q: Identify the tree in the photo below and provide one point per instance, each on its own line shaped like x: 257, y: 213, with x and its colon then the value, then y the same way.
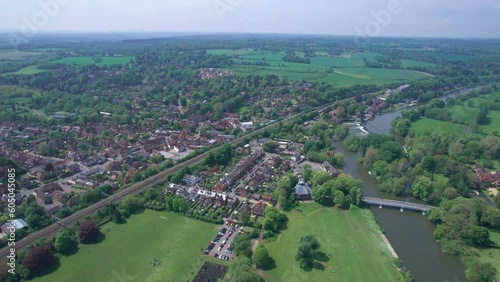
x: 307, y: 250
x: 39, y: 259
x: 88, y: 231
x: 340, y: 199
x: 370, y: 158
x: 131, y: 204
x: 320, y: 177
x: 481, y: 272
x: 479, y: 236
x: 261, y: 258
x: 496, y: 200
x: 117, y: 216
x: 242, y: 245
x: 270, y: 146
x: 210, y: 159
x: 422, y: 188
x: 244, y: 217
x: 342, y: 131
x: 64, y: 241
x: 241, y: 271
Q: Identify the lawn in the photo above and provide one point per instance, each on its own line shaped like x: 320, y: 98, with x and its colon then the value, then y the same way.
x: 129, y: 248
x: 352, y: 239
x: 87, y: 60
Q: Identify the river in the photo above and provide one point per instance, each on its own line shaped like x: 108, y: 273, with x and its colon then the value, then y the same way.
x: 410, y: 233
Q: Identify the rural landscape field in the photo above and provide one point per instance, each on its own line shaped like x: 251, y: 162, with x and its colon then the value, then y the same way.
x: 128, y: 250
x: 353, y: 251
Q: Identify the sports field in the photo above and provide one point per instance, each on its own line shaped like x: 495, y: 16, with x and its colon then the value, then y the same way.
x: 129, y: 248
x: 350, y: 239
x: 87, y: 60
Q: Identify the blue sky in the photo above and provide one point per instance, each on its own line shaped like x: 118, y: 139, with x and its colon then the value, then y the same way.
x: 433, y: 18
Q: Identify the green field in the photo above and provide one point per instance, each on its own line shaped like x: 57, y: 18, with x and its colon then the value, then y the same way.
x: 427, y: 125
x: 491, y: 255
x: 15, y: 55
x: 352, y: 239
x: 86, y: 60
x: 344, y: 70
x: 412, y: 63
x: 27, y: 70
x: 129, y: 248
x: 463, y: 114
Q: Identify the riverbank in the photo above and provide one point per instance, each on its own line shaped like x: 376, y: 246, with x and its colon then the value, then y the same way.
x: 389, y: 246
x: 352, y: 248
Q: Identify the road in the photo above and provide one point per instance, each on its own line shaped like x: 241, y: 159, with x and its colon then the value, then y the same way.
x: 136, y: 188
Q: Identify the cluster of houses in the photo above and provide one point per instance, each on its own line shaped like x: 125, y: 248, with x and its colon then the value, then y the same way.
x: 205, y: 197
x: 491, y: 179
x: 238, y: 171
x: 210, y: 73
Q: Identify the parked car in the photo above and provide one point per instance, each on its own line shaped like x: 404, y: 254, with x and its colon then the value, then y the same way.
x: 220, y: 248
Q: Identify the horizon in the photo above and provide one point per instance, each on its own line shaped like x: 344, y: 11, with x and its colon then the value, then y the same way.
x: 391, y: 18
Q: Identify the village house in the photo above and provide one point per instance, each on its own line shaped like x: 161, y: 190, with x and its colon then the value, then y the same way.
x: 329, y: 168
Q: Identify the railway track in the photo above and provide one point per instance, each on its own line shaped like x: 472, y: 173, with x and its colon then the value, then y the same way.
x: 134, y: 189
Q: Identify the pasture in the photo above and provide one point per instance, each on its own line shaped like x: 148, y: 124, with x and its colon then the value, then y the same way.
x: 351, y: 243
x: 129, y: 249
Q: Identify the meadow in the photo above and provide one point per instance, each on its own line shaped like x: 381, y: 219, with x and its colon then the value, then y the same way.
x: 87, y: 60
x: 351, y: 241
x: 129, y: 248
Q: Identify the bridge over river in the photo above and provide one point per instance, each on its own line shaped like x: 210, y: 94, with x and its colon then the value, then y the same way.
x: 396, y: 204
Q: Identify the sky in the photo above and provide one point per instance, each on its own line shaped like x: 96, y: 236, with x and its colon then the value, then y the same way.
x: 412, y: 18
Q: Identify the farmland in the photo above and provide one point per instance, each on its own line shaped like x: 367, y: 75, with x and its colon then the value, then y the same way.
x: 15, y: 55
x: 461, y: 117
x: 342, y: 70
x: 129, y: 248
x: 26, y: 71
x: 100, y: 61
x: 350, y: 239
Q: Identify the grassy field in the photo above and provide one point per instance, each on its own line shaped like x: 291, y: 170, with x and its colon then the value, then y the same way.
x: 129, y: 248
x: 15, y: 55
x: 491, y: 255
x: 343, y: 70
x: 86, y: 60
x: 27, y: 70
x: 412, y: 63
x: 426, y: 125
x: 352, y: 239
x: 465, y: 112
